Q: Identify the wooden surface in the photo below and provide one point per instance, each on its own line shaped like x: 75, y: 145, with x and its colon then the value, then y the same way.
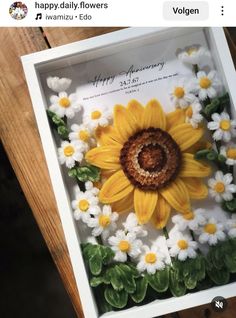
x: 20, y: 138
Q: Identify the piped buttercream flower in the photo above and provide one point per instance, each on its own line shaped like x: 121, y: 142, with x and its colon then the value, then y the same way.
x: 193, y: 54
x: 131, y: 225
x: 205, y: 85
x: 151, y: 260
x: 193, y: 115
x: 180, y: 93
x: 182, y: 246
x: 97, y: 117
x: 229, y: 152
x: 224, y: 127
x: 145, y: 152
x: 221, y: 187
x: 125, y: 244
x: 231, y: 226
x: 212, y: 232
x: 64, y: 104
x: 71, y: 152
x: 85, y: 205
x: 58, y: 84
x: 191, y: 220
x: 82, y: 134
x: 104, y: 222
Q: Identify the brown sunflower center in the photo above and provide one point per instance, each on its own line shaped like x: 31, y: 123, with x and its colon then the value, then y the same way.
x: 150, y: 159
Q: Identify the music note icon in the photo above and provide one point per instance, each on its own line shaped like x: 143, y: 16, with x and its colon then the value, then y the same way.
x: 38, y: 16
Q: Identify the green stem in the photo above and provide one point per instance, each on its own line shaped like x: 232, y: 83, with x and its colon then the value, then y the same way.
x: 99, y: 240
x: 195, y: 68
x: 192, y: 234
x: 165, y: 232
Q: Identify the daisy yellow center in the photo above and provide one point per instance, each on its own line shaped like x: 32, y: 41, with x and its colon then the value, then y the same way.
x: 150, y: 258
x: 179, y: 92
x: 182, y: 244
x: 219, y: 187
x: 231, y: 153
x: 83, y: 135
x: 124, y: 246
x: 96, y: 114
x: 64, y: 102
x: 188, y: 216
x: 69, y: 151
x: 189, y: 112
x: 205, y: 82
x: 191, y: 50
x: 225, y: 124
x: 83, y: 205
x: 210, y: 228
x: 104, y: 220
x: 150, y: 159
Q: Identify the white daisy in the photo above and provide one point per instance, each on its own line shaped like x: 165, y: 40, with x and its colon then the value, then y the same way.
x: 212, y: 232
x: 229, y: 152
x: 85, y: 205
x: 180, y: 94
x: 151, y: 260
x: 221, y: 187
x: 83, y: 134
x: 57, y: 84
x: 182, y: 246
x: 97, y: 117
x: 131, y: 225
x: 104, y: 222
x: 125, y: 244
x: 205, y: 85
x: 89, y: 186
x: 193, y: 115
x: 191, y: 220
x: 193, y: 54
x: 224, y: 127
x: 70, y: 153
x: 231, y: 226
x: 64, y: 105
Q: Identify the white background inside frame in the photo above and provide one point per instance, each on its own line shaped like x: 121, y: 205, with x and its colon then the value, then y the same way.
x: 152, y: 45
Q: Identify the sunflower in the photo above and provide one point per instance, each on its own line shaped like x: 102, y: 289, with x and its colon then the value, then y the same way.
x: 145, y: 156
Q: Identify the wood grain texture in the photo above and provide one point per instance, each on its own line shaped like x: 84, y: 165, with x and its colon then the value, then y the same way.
x: 60, y: 36
x: 21, y: 141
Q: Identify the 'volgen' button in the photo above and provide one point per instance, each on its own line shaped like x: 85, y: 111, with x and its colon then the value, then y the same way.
x: 185, y: 10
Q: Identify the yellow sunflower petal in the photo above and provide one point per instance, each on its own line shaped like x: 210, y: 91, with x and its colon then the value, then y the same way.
x: 196, y: 188
x: 136, y: 109
x: 153, y: 116
x: 107, y: 136
x: 176, y: 194
x: 104, y: 157
x: 144, y: 204
x: 193, y: 168
x: 124, y: 122
x: 124, y: 205
x: 115, y: 188
x: 185, y: 135
x: 161, y: 213
x: 174, y: 118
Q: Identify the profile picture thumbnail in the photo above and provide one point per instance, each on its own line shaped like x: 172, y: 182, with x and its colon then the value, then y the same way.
x: 18, y: 10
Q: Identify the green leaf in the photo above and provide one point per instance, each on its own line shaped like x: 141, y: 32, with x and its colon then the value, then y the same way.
x: 229, y: 206
x: 115, y: 278
x: 219, y: 277
x: 212, y: 107
x: 230, y: 262
x: 160, y: 280
x: 96, y: 281
x: 63, y: 132
x: 177, y: 287
x: 88, y: 173
x: 201, y: 154
x: 72, y: 172
x: 127, y: 279
x: 221, y: 158
x: 117, y: 299
x: 95, y: 262
x: 212, y: 155
x: 190, y: 281
x: 141, y: 289
x: 107, y: 255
